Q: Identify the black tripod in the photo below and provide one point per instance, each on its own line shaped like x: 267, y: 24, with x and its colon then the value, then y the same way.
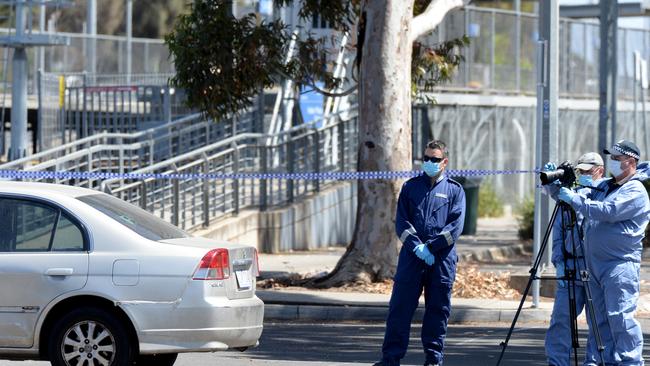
x: 570, y: 276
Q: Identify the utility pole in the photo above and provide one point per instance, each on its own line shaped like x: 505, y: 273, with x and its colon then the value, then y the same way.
x: 20, y: 41
x: 607, y: 75
x: 547, y: 132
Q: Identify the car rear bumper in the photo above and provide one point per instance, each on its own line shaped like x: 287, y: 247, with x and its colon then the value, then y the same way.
x: 213, y: 325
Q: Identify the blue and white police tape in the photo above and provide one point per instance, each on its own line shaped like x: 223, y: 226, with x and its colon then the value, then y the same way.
x: 62, y: 175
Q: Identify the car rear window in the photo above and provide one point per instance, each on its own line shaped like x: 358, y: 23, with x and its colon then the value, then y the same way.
x: 135, y: 218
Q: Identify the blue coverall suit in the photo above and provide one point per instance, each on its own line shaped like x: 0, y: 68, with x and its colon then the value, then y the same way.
x: 558, y: 336
x: 614, y: 225
x: 431, y: 213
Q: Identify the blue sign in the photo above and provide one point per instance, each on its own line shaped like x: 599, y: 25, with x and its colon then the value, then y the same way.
x: 474, y: 30
x: 312, y: 104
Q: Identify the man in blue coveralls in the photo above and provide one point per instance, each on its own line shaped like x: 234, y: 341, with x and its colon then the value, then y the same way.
x: 558, y: 345
x: 429, y: 219
x: 615, y: 218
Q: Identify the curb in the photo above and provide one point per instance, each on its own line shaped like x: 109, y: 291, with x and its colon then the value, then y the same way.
x: 497, y: 254
x: 375, y: 313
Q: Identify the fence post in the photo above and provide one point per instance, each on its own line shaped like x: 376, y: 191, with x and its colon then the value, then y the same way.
x: 206, y: 192
x: 143, y: 194
x: 235, y: 183
x: 121, y: 155
x: 290, y: 167
x: 317, y: 146
x: 89, y: 166
x: 492, y: 50
x: 518, y: 47
x: 176, y: 197
x: 263, y: 182
x: 342, y: 131
x: 39, y: 136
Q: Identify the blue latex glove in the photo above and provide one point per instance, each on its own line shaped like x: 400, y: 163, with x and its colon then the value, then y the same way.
x: 566, y: 194
x: 549, y: 167
x: 559, y: 272
x: 423, y: 253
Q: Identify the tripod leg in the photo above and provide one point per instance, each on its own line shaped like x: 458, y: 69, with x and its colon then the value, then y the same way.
x: 593, y: 323
x: 531, y: 278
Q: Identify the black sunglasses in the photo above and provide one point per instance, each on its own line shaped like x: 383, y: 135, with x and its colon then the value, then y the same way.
x: 432, y: 159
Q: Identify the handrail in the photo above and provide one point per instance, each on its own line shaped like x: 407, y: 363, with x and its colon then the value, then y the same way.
x: 100, y: 136
x: 234, y: 139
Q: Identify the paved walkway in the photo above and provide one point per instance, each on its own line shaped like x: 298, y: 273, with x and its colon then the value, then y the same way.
x: 496, y: 241
x: 495, y: 248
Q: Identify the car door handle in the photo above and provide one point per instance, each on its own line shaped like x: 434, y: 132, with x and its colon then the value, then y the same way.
x: 59, y: 272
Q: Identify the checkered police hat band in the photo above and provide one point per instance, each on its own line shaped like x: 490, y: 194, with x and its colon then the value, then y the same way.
x: 626, y: 152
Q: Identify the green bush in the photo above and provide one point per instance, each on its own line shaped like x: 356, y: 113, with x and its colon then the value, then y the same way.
x: 526, y: 218
x: 489, y: 204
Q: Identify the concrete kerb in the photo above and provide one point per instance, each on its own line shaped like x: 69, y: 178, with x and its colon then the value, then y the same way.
x: 327, y: 313
x: 333, y: 306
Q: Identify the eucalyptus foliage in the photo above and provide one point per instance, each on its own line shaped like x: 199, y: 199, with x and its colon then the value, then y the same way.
x: 223, y: 61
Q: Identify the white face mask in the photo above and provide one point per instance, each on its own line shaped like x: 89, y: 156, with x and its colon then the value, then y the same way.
x: 615, y: 168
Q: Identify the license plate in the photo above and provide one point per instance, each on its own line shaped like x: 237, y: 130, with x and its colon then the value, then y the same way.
x: 244, y: 279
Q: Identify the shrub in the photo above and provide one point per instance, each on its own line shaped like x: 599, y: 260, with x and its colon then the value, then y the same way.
x: 526, y: 218
x: 489, y: 204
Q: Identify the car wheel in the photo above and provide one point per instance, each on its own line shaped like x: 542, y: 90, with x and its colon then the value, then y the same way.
x: 90, y: 337
x: 166, y: 359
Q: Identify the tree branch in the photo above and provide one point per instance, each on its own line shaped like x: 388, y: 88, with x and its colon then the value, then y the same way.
x: 432, y: 16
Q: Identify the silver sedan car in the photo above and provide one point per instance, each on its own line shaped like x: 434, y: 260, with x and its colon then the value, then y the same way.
x: 87, y: 279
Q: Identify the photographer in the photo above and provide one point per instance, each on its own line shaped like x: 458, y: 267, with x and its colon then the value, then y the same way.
x: 566, y: 253
x: 615, y: 218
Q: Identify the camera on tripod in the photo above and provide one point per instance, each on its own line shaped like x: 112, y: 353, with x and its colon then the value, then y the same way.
x: 565, y: 174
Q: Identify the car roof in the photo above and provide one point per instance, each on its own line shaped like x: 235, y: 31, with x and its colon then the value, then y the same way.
x: 35, y: 188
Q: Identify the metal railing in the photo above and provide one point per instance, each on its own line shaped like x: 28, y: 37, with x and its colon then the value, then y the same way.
x: 125, y: 152
x: 190, y: 203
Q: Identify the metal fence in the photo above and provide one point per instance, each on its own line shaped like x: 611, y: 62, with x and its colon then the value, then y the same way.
x: 190, y: 203
x: 126, y: 152
x: 501, y: 55
x: 148, y: 57
x: 74, y: 106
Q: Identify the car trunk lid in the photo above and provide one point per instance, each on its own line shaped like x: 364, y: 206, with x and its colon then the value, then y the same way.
x: 234, y: 264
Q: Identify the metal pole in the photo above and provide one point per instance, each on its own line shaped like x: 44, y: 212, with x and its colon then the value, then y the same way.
x: 41, y: 28
x: 91, y: 31
x: 129, y: 39
x: 547, y: 134
x: 607, y: 77
x: 39, y: 80
x: 518, y: 45
x: 492, y: 49
x: 635, y: 85
x: 19, y: 90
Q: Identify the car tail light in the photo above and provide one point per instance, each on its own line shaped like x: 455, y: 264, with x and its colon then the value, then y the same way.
x: 215, y: 265
x: 257, y: 264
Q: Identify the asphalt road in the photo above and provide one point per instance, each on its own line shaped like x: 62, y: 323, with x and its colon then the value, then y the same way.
x: 360, y: 344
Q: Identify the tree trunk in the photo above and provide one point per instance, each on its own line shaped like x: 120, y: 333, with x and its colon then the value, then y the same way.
x: 384, y: 140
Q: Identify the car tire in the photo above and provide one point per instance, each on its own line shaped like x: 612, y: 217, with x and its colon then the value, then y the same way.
x: 167, y: 359
x: 90, y: 333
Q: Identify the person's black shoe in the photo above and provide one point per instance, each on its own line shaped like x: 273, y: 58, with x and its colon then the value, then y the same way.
x: 431, y: 364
